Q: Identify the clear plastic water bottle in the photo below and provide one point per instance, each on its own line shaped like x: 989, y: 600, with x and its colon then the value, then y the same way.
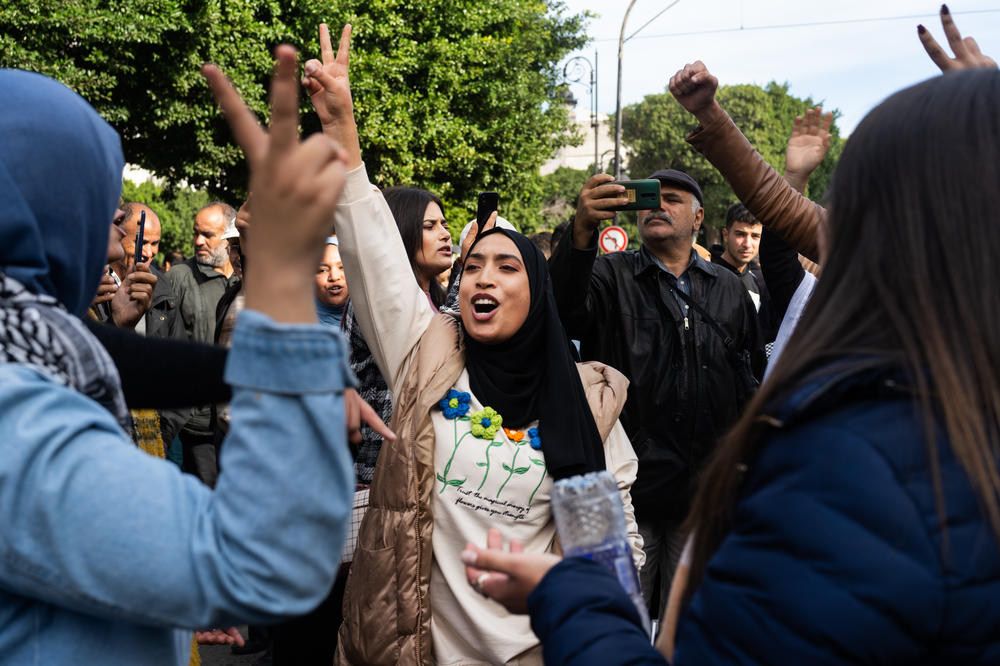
x: 591, y: 524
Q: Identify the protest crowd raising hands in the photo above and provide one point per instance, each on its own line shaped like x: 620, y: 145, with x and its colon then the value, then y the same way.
x: 333, y: 436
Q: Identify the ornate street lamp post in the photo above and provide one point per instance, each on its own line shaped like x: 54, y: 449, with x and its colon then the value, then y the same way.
x: 574, y: 72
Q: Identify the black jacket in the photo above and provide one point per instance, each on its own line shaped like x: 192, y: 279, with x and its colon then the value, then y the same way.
x: 682, y: 394
x: 169, y: 375
x: 164, y: 319
x: 753, y: 280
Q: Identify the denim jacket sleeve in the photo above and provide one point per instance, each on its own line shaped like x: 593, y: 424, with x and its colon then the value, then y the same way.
x: 92, y: 524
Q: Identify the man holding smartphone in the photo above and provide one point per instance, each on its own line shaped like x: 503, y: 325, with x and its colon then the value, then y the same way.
x: 645, y: 312
x: 162, y: 320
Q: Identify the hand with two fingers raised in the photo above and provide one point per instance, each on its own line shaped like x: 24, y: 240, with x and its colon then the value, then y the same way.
x: 597, y: 197
x: 328, y: 83
x: 966, y: 50
x: 295, y: 185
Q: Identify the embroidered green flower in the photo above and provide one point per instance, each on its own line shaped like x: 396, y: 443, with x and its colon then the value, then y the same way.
x: 485, y: 423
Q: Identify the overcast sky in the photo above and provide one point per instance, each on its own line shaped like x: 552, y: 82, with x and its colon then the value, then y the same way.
x: 855, y: 53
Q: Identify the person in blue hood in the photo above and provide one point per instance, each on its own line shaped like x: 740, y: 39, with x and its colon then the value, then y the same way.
x: 109, y: 555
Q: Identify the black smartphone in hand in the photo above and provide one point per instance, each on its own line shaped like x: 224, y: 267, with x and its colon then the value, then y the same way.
x: 137, y: 254
x: 485, y: 205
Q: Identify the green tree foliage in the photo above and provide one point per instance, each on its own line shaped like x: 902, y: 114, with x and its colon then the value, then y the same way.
x: 452, y: 95
x: 550, y: 200
x: 560, y: 190
x: 653, y: 131
x: 176, y: 209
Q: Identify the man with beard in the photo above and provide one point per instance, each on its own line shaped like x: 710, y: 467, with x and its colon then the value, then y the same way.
x: 646, y: 312
x: 199, y: 284
x: 200, y: 281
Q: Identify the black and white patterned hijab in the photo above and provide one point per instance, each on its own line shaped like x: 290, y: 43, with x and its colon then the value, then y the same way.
x: 60, y: 177
x: 36, y: 331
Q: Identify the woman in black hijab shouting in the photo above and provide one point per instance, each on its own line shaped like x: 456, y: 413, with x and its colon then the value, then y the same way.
x: 489, y: 410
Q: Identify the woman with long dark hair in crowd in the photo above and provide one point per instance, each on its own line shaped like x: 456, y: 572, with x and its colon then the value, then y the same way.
x: 421, y: 224
x: 419, y: 217
x: 853, y: 513
x: 490, y: 410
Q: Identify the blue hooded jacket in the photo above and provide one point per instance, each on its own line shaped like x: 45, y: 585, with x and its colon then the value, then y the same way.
x: 60, y: 179
x: 109, y: 555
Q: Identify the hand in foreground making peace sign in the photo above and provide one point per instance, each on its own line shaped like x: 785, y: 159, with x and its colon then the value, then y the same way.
x: 295, y: 187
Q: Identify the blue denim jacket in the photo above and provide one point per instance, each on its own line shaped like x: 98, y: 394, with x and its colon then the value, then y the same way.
x: 111, y: 556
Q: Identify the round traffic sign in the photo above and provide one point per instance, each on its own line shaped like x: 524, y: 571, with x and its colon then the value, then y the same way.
x: 613, y: 239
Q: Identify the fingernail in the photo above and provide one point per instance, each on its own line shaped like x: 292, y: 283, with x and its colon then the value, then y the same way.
x: 944, y: 9
x: 921, y: 29
x: 310, y: 67
x: 469, y: 557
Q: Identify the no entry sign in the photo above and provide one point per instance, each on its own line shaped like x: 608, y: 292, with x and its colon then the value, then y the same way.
x: 613, y: 239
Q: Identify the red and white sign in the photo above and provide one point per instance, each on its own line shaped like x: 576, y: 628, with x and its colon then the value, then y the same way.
x: 613, y: 239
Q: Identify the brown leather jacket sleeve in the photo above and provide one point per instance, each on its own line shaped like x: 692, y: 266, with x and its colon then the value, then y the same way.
x: 796, y: 219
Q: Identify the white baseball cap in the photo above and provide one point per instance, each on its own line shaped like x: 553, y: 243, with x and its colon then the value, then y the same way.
x: 501, y: 222
x: 231, y: 231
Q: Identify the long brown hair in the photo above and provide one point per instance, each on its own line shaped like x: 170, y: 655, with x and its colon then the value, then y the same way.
x: 914, y: 238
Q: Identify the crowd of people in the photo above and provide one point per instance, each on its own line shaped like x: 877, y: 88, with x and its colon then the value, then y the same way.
x: 339, y: 428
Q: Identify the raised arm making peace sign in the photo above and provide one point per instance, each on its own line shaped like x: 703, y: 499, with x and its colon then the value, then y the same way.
x: 296, y: 185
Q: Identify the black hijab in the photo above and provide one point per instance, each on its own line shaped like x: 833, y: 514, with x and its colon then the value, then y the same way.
x: 532, y: 375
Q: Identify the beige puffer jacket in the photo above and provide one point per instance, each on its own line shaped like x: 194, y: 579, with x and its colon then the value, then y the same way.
x: 387, y: 613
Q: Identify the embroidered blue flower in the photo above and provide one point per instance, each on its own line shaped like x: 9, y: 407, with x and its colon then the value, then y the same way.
x: 536, y: 441
x: 455, y: 404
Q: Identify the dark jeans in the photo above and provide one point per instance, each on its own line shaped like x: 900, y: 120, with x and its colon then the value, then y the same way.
x: 662, y: 544
x: 200, y: 457
x: 312, y: 639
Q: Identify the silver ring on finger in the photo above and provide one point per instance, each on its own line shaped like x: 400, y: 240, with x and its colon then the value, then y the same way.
x: 478, y: 585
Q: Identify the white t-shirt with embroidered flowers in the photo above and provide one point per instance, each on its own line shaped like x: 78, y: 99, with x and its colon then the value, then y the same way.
x: 486, y: 477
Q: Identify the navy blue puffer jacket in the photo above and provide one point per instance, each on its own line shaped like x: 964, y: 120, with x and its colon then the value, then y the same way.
x: 836, y: 554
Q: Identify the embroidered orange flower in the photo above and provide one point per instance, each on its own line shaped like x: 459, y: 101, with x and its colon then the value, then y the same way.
x: 514, y: 435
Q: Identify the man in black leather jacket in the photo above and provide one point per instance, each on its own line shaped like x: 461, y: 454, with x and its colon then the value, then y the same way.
x: 625, y: 309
